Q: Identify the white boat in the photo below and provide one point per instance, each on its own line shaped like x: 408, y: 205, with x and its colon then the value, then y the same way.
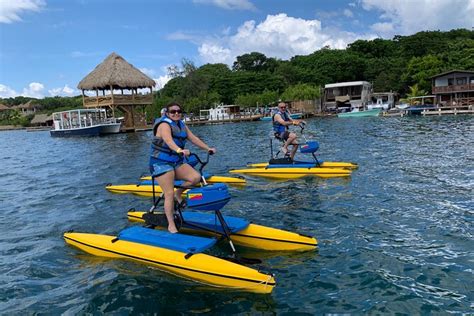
x: 382, y: 100
x: 83, y: 122
x: 223, y: 113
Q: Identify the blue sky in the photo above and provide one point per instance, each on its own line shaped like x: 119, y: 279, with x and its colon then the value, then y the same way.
x: 47, y: 47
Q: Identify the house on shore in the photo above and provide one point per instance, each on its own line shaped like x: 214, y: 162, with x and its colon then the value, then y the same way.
x: 346, y: 95
x: 454, y: 88
x: 42, y: 120
x: 28, y: 108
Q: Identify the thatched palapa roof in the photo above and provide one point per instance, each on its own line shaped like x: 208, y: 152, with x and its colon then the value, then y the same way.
x: 116, y: 72
x: 3, y: 107
x: 41, y: 119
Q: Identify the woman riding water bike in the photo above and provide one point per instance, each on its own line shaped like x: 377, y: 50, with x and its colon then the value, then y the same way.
x: 167, y: 154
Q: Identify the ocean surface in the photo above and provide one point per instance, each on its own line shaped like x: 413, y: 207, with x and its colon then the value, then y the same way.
x: 396, y: 237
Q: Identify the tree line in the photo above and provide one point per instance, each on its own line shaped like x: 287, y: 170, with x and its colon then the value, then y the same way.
x: 395, y: 64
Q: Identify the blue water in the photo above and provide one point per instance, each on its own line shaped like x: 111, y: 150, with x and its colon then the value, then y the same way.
x: 396, y: 237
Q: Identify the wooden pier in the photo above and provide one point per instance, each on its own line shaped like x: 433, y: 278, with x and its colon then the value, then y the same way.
x: 232, y: 119
x: 452, y: 110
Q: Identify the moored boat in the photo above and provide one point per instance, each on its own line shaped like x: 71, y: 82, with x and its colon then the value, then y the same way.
x: 83, y: 122
x: 360, y: 113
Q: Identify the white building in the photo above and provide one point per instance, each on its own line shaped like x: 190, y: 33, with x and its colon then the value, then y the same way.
x: 353, y: 94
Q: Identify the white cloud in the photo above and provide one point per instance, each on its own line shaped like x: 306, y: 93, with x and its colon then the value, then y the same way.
x: 214, y: 53
x: 383, y: 29
x: 352, y: 4
x: 278, y: 36
x: 230, y: 4
x: 10, y: 10
x: 64, y: 91
x: 161, y: 81
x: 408, y: 16
x: 7, y: 92
x: 348, y: 13
x: 34, y: 90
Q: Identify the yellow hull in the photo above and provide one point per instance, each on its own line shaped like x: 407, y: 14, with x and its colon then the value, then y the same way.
x: 199, y: 267
x: 215, y: 179
x: 326, y: 164
x: 137, y: 189
x: 256, y: 236
x: 294, y: 173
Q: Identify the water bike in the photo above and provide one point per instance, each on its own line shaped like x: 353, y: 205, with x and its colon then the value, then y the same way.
x: 287, y: 168
x: 213, y: 197
x: 144, y: 187
x: 183, y: 254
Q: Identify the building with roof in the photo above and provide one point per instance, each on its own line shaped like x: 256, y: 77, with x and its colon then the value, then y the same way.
x: 119, y: 85
x: 349, y: 95
x: 455, y: 87
x: 42, y: 120
x: 28, y: 108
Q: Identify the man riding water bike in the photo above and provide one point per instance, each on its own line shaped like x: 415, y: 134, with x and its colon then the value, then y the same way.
x: 281, y: 120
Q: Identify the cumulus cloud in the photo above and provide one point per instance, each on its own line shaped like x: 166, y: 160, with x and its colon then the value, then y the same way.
x: 11, y: 10
x: 278, y: 36
x: 7, y: 92
x: 161, y: 81
x: 34, y: 90
x: 230, y: 4
x: 406, y: 17
x: 383, y: 29
x: 64, y: 91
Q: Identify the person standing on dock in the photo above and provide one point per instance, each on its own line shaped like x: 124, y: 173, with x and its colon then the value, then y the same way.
x: 167, y: 154
x: 281, y: 120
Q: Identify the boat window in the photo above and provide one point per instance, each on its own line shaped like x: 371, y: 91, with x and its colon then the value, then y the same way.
x: 461, y: 81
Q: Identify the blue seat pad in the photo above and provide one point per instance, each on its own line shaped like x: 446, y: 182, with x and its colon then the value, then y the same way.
x: 164, y: 239
x: 211, y: 221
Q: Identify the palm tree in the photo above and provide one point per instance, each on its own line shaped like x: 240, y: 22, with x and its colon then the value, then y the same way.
x: 415, y: 91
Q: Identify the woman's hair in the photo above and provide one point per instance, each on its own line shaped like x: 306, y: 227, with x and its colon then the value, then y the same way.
x: 173, y: 104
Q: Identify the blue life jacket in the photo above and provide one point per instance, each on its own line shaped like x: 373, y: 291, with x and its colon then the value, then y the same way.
x: 277, y: 127
x: 159, y: 148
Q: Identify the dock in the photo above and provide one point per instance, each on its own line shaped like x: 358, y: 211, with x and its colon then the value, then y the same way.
x: 233, y: 118
x: 451, y: 110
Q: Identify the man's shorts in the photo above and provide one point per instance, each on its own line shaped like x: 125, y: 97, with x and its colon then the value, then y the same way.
x: 283, y: 136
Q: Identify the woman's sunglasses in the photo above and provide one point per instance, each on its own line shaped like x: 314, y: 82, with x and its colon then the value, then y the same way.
x: 175, y: 111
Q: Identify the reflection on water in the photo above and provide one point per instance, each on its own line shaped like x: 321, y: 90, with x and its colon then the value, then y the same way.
x: 396, y: 237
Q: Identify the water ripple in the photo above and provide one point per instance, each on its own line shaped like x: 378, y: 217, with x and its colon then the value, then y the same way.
x: 396, y: 237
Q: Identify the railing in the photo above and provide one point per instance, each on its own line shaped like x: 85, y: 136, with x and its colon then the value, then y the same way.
x: 456, y: 109
x: 120, y: 99
x: 453, y: 88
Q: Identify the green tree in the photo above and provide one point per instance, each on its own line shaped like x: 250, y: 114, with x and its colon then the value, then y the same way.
x: 420, y: 70
x: 254, y: 62
x: 301, y: 92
